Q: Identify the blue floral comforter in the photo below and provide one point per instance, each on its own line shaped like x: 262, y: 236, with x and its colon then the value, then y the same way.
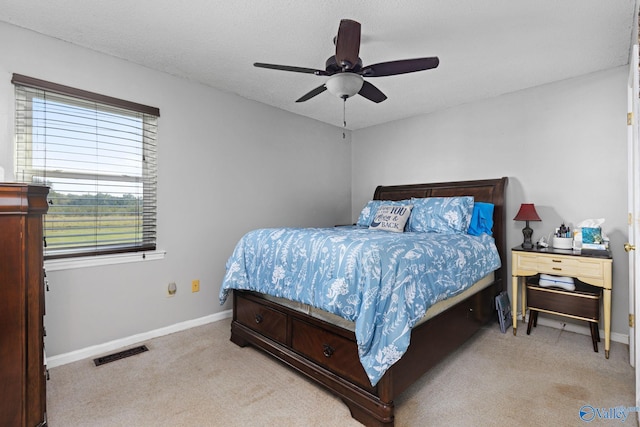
x: 382, y: 281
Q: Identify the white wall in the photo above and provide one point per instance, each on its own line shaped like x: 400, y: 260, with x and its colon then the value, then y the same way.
x: 562, y: 145
x: 226, y: 165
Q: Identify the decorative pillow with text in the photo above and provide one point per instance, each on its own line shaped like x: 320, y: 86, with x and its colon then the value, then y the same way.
x: 391, y: 218
x: 371, y: 208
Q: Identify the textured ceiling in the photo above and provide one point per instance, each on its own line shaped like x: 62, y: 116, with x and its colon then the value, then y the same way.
x: 486, y: 48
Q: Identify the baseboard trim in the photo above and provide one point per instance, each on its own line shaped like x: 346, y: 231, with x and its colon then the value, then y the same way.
x: 573, y: 327
x: 95, y: 350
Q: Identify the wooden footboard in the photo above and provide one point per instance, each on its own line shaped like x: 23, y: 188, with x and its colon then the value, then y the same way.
x: 328, y: 354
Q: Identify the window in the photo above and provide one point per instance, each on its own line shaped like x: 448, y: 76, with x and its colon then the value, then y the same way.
x: 98, y: 156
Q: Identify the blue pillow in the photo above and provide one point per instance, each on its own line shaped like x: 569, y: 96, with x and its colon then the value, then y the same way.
x: 482, y: 219
x: 369, y: 211
x: 447, y: 215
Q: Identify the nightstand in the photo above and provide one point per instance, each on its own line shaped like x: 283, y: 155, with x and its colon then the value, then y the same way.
x: 593, y: 268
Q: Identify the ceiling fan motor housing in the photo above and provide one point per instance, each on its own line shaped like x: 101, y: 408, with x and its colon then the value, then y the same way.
x: 332, y: 67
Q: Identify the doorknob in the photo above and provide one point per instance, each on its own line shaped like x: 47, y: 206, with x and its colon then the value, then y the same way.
x: 629, y: 247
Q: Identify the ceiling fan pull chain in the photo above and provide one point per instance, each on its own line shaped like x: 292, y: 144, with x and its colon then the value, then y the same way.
x: 344, y: 116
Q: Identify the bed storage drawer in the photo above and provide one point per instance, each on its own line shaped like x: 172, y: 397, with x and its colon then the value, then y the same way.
x: 265, y: 320
x: 334, y: 352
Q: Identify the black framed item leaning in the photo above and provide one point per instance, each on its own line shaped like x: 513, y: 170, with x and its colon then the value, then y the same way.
x: 503, y: 307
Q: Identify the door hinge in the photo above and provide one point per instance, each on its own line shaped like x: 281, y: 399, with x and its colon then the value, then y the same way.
x: 629, y: 118
x: 632, y: 321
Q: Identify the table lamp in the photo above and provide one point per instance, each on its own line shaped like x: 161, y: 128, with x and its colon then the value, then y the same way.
x: 527, y: 213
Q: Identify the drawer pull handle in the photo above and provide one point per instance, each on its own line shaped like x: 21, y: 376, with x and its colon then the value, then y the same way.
x: 556, y: 260
x: 557, y: 268
x: 327, y: 350
x: 258, y: 318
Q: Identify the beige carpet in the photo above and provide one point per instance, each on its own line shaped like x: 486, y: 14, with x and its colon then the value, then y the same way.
x: 199, y: 378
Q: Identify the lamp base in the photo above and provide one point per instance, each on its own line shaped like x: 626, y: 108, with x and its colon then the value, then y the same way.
x: 527, y: 245
x: 527, y: 232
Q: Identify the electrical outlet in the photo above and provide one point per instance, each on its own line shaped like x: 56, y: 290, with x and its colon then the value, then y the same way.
x: 195, y: 285
x: 172, y: 289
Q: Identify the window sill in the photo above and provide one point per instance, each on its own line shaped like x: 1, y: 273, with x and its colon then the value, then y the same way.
x: 99, y: 260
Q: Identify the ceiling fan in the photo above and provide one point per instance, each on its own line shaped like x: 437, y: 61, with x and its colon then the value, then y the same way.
x: 346, y: 71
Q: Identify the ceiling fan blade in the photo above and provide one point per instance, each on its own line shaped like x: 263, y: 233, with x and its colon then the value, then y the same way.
x: 399, y: 67
x: 372, y: 93
x: 348, y: 43
x: 311, y: 94
x: 291, y: 68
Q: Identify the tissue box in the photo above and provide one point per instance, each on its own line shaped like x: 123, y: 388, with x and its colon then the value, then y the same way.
x: 592, y: 238
x: 592, y: 235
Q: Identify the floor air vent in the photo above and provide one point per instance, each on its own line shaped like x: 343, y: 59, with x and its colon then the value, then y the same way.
x: 120, y: 355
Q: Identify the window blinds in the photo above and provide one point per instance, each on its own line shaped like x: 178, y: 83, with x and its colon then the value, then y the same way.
x: 98, y: 156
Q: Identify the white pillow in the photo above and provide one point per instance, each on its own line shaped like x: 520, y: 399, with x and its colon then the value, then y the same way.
x: 391, y: 218
x: 546, y: 280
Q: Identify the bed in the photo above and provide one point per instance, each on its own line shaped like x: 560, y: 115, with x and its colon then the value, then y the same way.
x: 326, y: 346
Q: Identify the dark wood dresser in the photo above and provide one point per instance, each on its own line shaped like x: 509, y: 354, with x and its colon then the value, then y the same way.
x: 22, y: 365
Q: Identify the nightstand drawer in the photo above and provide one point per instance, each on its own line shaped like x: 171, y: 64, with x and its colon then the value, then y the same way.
x: 560, y: 265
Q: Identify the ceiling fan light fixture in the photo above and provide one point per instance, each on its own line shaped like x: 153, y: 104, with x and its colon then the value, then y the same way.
x: 344, y: 85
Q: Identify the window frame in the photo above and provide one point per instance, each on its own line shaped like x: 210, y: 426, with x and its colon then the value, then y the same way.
x: 145, y: 244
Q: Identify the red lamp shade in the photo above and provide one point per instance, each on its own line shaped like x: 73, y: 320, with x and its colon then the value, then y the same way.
x: 527, y: 212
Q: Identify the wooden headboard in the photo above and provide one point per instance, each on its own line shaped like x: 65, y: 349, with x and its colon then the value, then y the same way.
x: 486, y: 190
